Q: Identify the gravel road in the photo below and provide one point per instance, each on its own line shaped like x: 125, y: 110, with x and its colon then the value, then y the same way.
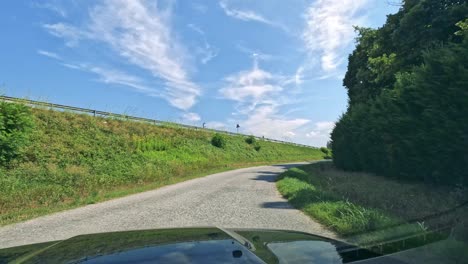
x: 245, y: 198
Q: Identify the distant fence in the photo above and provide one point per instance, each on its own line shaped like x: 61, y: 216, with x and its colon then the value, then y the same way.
x: 133, y: 118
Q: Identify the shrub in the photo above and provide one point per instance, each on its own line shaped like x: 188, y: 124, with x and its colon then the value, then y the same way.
x: 257, y: 146
x: 325, y: 150
x: 15, y: 126
x: 218, y: 141
x: 251, y: 140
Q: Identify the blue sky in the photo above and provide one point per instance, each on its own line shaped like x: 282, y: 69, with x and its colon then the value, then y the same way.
x: 274, y: 67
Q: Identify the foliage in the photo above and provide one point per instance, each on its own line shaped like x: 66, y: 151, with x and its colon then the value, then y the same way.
x: 218, y: 141
x: 463, y: 25
x: 72, y: 160
x: 250, y: 140
x: 408, y: 96
x: 15, y: 128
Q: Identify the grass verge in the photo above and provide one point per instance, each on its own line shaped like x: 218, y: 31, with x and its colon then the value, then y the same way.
x: 363, y: 206
x: 72, y: 160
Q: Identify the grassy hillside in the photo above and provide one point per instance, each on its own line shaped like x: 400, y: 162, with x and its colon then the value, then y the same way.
x: 74, y: 159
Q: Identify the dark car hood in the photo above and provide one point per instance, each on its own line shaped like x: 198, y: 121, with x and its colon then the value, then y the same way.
x: 189, y: 245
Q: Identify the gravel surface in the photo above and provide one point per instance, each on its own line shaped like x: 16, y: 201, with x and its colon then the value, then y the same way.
x: 244, y: 198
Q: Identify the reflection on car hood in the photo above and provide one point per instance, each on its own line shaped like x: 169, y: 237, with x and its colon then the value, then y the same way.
x: 189, y: 245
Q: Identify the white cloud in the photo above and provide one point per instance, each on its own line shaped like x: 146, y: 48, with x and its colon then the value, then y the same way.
x: 191, y: 117
x: 321, y: 131
x: 265, y: 121
x: 259, y: 95
x: 329, y: 29
x: 49, y: 54
x: 140, y: 33
x: 325, y: 126
x: 247, y: 15
x: 253, y: 85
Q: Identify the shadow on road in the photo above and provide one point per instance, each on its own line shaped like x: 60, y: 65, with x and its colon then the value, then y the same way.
x: 289, y: 166
x: 269, y: 176
x: 277, y: 205
x: 266, y: 177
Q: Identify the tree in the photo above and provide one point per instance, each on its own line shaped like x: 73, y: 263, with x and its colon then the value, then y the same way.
x: 408, y: 96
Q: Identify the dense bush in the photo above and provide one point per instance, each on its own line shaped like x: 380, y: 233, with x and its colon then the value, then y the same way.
x: 218, y: 141
x: 257, y: 146
x: 15, y: 126
x: 408, y: 89
x: 250, y: 140
x: 324, y: 150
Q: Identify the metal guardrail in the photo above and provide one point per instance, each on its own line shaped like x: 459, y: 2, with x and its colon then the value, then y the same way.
x: 133, y: 118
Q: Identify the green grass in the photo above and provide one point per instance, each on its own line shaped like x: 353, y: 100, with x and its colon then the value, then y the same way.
x: 363, y: 206
x: 73, y: 160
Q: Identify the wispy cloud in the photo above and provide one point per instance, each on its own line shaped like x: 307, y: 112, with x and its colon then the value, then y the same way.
x: 260, y: 95
x: 299, y: 76
x: 196, y: 29
x: 72, y: 35
x: 105, y: 75
x: 113, y: 76
x: 256, y: 54
x: 49, y: 54
x: 139, y: 32
x: 329, y: 29
x: 52, y: 7
x: 248, y: 15
x: 206, y: 51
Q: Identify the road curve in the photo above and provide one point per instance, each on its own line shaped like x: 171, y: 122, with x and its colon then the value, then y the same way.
x: 244, y: 198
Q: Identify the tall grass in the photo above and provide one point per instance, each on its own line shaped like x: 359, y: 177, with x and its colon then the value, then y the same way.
x: 77, y: 159
x: 358, y: 203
